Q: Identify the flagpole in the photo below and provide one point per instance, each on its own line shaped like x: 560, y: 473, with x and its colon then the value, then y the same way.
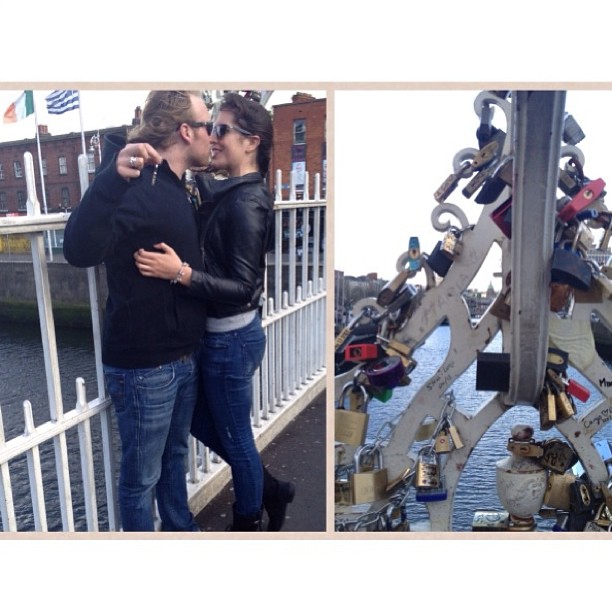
x: 81, y: 122
x: 42, y: 176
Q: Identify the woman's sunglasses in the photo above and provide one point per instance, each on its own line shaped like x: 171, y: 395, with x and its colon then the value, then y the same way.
x: 220, y: 130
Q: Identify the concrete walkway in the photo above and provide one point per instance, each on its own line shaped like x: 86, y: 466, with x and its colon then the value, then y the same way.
x: 296, y: 454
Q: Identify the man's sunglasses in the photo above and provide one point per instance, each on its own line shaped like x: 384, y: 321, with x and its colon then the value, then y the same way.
x: 205, y: 124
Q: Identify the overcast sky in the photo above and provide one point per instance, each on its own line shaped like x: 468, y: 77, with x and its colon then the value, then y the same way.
x: 395, y: 148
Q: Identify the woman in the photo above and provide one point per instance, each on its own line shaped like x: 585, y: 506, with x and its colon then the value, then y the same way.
x: 237, y: 223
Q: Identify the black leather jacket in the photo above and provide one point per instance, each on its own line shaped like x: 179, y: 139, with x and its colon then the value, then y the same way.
x: 236, y: 232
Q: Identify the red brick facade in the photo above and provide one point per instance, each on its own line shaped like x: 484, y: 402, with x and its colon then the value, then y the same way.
x: 313, y: 150
x: 60, y: 157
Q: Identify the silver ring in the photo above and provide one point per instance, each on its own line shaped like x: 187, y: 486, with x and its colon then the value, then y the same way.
x: 133, y: 161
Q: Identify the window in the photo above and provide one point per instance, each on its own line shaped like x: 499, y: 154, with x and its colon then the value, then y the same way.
x: 18, y: 169
x: 91, y: 162
x: 21, y: 201
x: 63, y: 167
x: 65, y: 197
x: 3, y: 202
x: 44, y: 167
x: 1, y: 172
x: 299, y: 131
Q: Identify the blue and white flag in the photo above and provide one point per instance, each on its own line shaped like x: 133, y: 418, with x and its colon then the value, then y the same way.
x: 62, y: 100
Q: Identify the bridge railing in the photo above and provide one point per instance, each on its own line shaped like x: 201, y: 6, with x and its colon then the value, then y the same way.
x: 81, y: 443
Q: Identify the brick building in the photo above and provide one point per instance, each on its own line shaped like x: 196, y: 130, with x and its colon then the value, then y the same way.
x: 59, y: 164
x: 300, y: 142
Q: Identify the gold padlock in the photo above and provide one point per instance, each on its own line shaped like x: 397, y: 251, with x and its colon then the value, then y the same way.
x: 557, y: 493
x: 427, y: 474
x: 371, y: 485
x: 455, y: 437
x: 351, y: 426
x: 442, y: 443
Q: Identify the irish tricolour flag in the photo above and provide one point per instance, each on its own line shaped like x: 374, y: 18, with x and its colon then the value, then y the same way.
x: 20, y: 108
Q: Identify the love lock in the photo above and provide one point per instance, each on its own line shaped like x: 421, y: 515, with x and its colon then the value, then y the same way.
x: 438, y: 261
x: 445, y: 252
x: 386, y: 372
x: 569, y: 268
x: 368, y: 486
x: 351, y: 425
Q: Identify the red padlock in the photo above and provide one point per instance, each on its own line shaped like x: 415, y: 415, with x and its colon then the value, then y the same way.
x: 360, y: 352
x: 577, y: 390
x: 586, y: 196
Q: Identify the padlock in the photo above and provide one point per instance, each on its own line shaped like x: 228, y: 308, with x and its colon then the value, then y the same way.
x: 451, y: 243
x: 568, y: 182
x: 502, y: 217
x: 501, y: 306
x: 442, y: 442
x: 381, y: 395
x: 453, y: 432
x: 368, y: 486
x: 563, y: 403
x: 547, y: 408
x: 342, y: 490
x: 528, y: 448
x: 451, y: 182
x: 586, y: 196
x: 492, y: 371
x: 594, y: 295
x: 351, y: 426
x: 558, y: 456
x: 570, y: 269
x: 557, y: 360
x: 427, y: 471
x: 360, y: 352
x: 575, y: 389
x: 572, y: 133
x: 392, y: 289
x: 426, y: 430
x: 386, y: 372
x: 501, y: 177
x: 433, y: 494
x: 582, y: 499
x: 439, y: 261
x: 557, y: 493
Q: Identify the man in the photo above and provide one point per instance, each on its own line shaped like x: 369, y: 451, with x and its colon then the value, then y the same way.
x: 151, y: 327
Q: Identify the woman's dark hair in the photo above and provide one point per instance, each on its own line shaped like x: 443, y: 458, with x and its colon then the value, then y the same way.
x: 163, y: 112
x: 254, y: 118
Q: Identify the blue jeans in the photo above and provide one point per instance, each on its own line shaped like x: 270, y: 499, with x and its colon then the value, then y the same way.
x: 154, y: 407
x: 228, y: 361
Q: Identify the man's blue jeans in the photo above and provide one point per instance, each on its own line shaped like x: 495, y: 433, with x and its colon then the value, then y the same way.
x: 154, y: 407
x: 228, y: 361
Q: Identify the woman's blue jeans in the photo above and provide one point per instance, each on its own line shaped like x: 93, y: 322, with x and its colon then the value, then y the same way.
x: 228, y: 361
x: 154, y: 407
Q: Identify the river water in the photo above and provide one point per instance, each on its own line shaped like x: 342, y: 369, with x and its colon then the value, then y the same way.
x: 22, y: 377
x: 477, y: 485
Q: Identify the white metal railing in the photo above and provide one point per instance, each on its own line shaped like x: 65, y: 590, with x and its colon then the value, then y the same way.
x: 293, y: 369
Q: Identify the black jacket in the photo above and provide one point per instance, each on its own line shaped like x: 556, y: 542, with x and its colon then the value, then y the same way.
x: 147, y: 321
x: 237, y: 230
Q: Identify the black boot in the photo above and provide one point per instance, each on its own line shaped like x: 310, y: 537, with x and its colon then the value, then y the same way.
x: 276, y: 496
x: 243, y: 522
